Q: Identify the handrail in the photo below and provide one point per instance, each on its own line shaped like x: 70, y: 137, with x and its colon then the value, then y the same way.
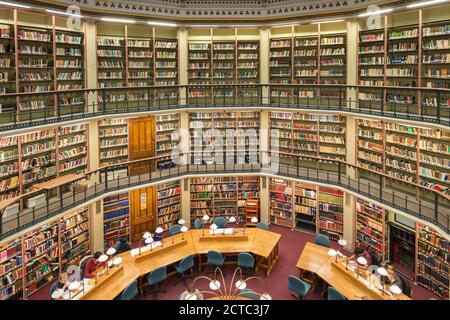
x: 436, y: 212
x: 152, y: 102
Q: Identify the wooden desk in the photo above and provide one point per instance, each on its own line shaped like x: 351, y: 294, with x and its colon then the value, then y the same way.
x: 315, y: 259
x: 260, y: 242
x: 265, y: 246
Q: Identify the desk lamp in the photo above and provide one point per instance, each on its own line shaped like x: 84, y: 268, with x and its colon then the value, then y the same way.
x: 213, y: 227
x: 117, y: 261
x: 342, y: 243
x: 241, y: 284
x: 183, y: 230
x: 145, y: 236
x: 395, y: 289
x: 182, y: 222
x: 361, y: 261
x: 265, y: 296
x: 333, y: 253
x: 205, y: 219
x: 160, y: 230
x: 103, y: 258
x: 149, y: 242
x: 110, y: 253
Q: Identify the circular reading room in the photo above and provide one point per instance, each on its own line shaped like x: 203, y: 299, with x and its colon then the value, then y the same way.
x: 224, y: 150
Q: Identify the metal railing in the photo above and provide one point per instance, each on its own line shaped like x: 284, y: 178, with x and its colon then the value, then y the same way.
x: 415, y: 104
x: 428, y: 205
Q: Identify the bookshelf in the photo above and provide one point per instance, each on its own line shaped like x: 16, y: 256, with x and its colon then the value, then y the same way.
x: 370, y: 146
x: 72, y: 149
x: 140, y: 55
x: 220, y: 132
x: 113, y: 135
x: 224, y: 68
x: 11, y: 269
x: 169, y: 204
x: 111, y: 65
x: 248, y: 189
x: 201, y: 197
x: 166, y: 68
x: 167, y: 133
x: 31, y: 261
x: 305, y: 207
x: 199, y: 67
x: 38, y: 157
x: 435, y: 64
x: 247, y: 68
x: 281, y: 203
x: 333, y: 62
x: 433, y: 261
x: 116, y: 218
x: 69, y: 68
x: 8, y: 73
x: 371, y: 229
x: 74, y: 238
x: 10, y: 167
x: 35, y: 70
x: 280, y: 68
x: 223, y: 196
x: 402, y: 64
x: 306, y: 65
x: 331, y: 217
x: 372, y: 65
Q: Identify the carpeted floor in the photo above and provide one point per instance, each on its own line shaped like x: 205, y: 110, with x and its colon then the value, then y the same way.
x: 290, y: 248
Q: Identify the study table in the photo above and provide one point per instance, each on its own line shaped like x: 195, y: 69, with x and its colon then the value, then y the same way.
x: 262, y: 243
x: 315, y: 259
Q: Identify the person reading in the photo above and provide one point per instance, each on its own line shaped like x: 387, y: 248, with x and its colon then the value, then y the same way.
x: 90, y: 271
x: 360, y: 252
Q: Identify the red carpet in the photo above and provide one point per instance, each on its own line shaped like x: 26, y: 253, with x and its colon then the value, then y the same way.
x: 290, y: 248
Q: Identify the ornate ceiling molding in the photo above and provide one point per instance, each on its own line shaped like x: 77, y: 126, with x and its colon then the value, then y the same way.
x: 221, y: 9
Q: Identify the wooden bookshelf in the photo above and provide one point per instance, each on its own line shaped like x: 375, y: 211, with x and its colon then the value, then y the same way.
x: 280, y: 68
x: 199, y: 67
x: 370, y: 146
x: 306, y: 64
x: 281, y: 196
x: 167, y: 133
x: 169, y: 204
x: 251, y: 211
x: 247, y: 68
x: 248, y: 189
x: 433, y: 261
x: 8, y: 74
x: 31, y: 261
x: 371, y: 229
x: 331, y: 213
x: 305, y: 207
x: 116, y: 218
x: 202, y: 190
x: 166, y: 68
x: 113, y: 135
x: 10, y: 167
x: 72, y: 149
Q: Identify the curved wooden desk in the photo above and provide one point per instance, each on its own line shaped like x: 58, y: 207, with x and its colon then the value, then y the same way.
x: 315, y: 259
x: 262, y: 243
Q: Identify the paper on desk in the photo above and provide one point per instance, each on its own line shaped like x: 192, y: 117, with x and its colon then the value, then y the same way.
x: 153, y: 245
x: 222, y: 230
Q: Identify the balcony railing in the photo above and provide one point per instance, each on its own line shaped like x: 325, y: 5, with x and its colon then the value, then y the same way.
x: 25, y: 110
x: 426, y: 204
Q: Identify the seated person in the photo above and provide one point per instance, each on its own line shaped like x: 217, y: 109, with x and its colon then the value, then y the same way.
x: 360, y: 252
x: 93, y: 265
x: 61, y: 284
x: 122, y: 245
x: 392, y: 277
x: 190, y: 291
x: 157, y: 237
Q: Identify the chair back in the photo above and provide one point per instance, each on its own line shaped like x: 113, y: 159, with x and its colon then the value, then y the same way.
x: 186, y: 264
x: 406, y: 286
x: 130, y: 292
x: 215, y: 258
x: 157, y: 275
x: 248, y: 293
x: 53, y: 288
x: 297, y: 285
x: 221, y: 222
x: 83, y: 263
x: 175, y: 229
x: 322, y: 240
x: 263, y: 226
x: 198, y: 223
x: 246, y: 260
x: 333, y: 294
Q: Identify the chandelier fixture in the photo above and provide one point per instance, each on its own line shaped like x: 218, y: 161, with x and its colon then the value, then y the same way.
x: 236, y: 290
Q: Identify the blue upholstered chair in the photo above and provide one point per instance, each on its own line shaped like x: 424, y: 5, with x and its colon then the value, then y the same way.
x: 53, y: 288
x: 130, y: 292
x: 175, y: 229
x: 263, y: 226
x: 333, y: 294
x: 185, y: 265
x: 221, y: 222
x: 155, y: 277
x: 215, y: 259
x: 248, y: 293
x: 298, y: 287
x: 157, y: 237
x: 322, y: 240
x: 246, y: 261
x: 198, y: 223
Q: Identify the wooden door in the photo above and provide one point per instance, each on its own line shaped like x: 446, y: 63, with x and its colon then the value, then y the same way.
x: 141, y: 142
x: 143, y: 212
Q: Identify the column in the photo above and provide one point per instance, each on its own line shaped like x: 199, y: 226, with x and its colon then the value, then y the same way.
x: 183, y: 63
x: 349, y: 220
x: 264, y: 197
x: 186, y: 201
x: 264, y: 62
x: 91, y: 61
x: 352, y: 58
